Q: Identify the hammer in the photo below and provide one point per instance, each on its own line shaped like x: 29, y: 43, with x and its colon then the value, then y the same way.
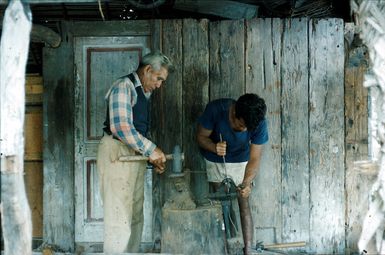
x: 177, y: 156
x: 260, y: 247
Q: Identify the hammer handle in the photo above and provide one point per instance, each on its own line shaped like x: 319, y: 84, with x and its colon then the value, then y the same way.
x: 140, y: 158
x: 284, y: 245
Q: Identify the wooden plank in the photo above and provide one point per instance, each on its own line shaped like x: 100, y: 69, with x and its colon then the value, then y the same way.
x: 295, y: 136
x: 109, y: 28
x: 33, y: 89
x: 33, y: 152
x: 45, y: 35
x: 326, y: 121
x: 225, y: 8
x: 357, y: 185
x: 167, y: 107
x: 33, y: 126
x: 171, y: 93
x: 34, y: 187
x: 58, y: 109
x: 156, y: 44
x: 195, y: 98
x: 263, y: 70
x: 33, y: 80
x: 156, y: 35
x: 227, y: 72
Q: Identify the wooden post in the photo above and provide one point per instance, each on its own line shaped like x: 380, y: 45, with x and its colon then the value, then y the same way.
x: 16, y: 215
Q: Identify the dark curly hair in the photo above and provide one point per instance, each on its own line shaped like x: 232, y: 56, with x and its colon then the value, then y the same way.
x: 251, y: 108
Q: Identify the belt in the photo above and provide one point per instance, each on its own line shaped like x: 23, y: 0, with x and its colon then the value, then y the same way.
x: 114, y: 137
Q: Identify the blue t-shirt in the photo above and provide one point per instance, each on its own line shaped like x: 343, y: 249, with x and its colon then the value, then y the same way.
x: 216, y: 118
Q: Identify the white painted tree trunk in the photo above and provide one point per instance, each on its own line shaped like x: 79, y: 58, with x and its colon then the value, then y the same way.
x: 16, y: 215
x: 371, y: 22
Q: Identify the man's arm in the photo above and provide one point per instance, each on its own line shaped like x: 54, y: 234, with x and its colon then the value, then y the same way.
x: 121, y: 120
x: 204, y: 141
x: 122, y: 126
x: 252, y: 169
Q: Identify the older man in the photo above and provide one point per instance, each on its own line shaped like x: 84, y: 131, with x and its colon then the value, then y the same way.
x: 126, y: 126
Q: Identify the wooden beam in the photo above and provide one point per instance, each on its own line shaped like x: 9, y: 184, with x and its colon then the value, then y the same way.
x: 225, y: 8
x: 43, y: 34
x: 46, y: 35
x: 16, y: 215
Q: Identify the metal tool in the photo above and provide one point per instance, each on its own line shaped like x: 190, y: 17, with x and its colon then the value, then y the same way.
x: 177, y: 156
x: 227, y: 179
x: 226, y: 193
x: 144, y: 158
x: 223, y: 157
x: 260, y: 247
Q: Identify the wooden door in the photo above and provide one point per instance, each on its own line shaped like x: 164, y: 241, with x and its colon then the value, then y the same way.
x: 98, y: 62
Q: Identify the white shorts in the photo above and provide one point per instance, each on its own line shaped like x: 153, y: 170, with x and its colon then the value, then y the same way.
x: 216, y: 172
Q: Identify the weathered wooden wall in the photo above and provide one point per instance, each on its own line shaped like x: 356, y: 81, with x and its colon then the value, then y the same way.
x: 298, y: 67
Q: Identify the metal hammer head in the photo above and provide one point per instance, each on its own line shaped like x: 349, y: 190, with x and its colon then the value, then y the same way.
x: 177, y: 160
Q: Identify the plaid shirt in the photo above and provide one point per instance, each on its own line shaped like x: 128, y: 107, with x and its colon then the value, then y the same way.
x: 121, y: 98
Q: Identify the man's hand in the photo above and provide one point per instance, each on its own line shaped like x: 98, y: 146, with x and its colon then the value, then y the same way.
x: 158, y: 159
x: 220, y: 148
x: 244, y: 190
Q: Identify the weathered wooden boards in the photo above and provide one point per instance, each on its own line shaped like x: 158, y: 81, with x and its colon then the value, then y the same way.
x: 358, y: 183
x: 297, y: 67
x: 295, y: 132
x: 263, y: 68
x: 195, y: 96
x: 326, y: 132
x: 58, y: 128
x: 183, y: 97
x: 224, y: 8
x: 227, y: 71
x: 16, y: 214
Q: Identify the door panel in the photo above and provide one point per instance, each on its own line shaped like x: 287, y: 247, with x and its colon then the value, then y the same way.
x: 98, y: 62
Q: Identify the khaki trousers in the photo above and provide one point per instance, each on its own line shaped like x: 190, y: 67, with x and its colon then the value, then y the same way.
x: 217, y: 172
x: 122, y: 187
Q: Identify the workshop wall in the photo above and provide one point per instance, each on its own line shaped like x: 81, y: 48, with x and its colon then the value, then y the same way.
x: 297, y: 66
x: 316, y: 116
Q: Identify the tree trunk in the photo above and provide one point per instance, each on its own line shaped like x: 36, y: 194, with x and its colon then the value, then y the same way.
x: 15, y: 212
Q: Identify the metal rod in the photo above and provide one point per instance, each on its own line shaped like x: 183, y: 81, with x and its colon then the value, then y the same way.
x: 140, y: 158
x: 224, y: 160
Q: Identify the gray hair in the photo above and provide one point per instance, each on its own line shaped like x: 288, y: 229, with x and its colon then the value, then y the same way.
x: 156, y: 60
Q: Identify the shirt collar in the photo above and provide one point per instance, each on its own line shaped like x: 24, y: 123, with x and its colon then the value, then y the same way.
x: 139, y: 83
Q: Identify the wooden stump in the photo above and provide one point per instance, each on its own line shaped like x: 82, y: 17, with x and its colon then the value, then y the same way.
x: 197, y: 231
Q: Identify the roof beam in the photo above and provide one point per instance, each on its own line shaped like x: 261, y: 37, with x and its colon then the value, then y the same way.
x: 226, y: 9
